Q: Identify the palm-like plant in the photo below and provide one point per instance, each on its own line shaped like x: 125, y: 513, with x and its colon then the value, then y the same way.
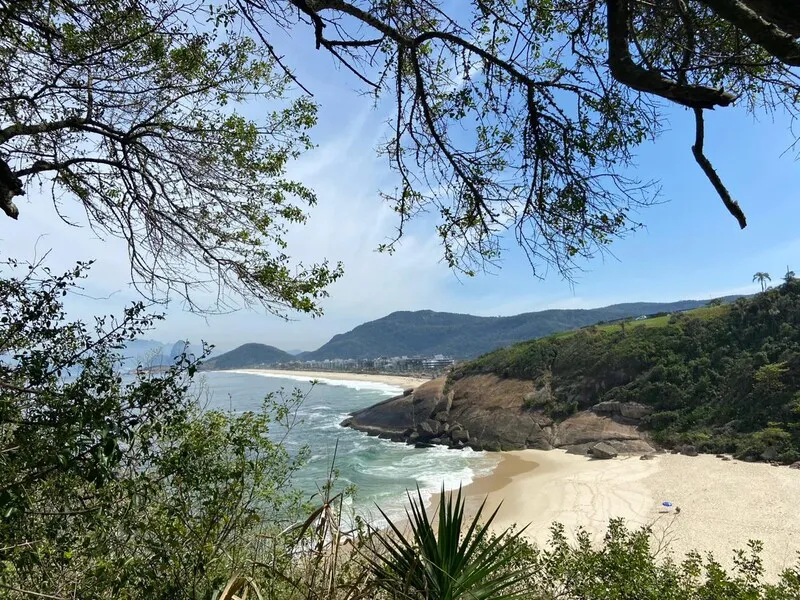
x: 444, y: 561
x: 762, y: 278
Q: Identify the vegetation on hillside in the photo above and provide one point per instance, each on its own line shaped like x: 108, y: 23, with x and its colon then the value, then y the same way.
x: 426, y: 332
x: 248, y: 355
x: 724, y: 378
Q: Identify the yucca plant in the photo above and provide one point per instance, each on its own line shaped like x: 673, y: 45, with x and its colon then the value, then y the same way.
x: 443, y: 560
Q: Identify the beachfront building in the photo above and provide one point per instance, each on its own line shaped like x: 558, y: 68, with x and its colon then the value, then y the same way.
x: 395, y: 364
x: 438, y: 362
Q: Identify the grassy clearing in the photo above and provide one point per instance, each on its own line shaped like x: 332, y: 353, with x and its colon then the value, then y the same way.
x: 706, y: 312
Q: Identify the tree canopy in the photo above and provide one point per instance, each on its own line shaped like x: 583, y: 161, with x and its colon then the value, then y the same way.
x: 522, y: 116
x: 136, y: 109
x: 510, y: 118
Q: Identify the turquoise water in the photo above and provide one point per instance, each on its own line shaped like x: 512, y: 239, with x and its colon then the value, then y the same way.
x: 381, y: 470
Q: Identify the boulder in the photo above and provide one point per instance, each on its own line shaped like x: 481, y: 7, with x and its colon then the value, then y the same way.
x: 435, y: 425
x: 408, y: 391
x: 728, y: 458
x: 629, y: 410
x: 435, y: 441
x: 347, y: 422
x: 427, y: 429
x: 590, y: 428
x: 456, y: 426
x: 688, y: 450
x: 634, y: 410
x: 603, y: 450
x: 795, y: 465
x: 445, y: 428
x: 441, y: 417
x: 646, y: 457
x: 459, y: 435
x: 412, y: 437
x: 443, y: 403
x: 610, y: 407
x: 423, y: 445
x: 395, y: 415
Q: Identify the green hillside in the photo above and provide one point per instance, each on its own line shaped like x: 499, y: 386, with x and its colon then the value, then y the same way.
x: 248, y: 355
x: 427, y: 332
x: 723, y: 378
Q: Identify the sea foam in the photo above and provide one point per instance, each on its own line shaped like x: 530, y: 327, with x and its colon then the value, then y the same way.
x: 376, y: 386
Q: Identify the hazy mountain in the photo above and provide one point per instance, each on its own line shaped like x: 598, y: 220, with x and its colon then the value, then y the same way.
x: 248, y: 355
x: 151, y: 353
x: 426, y: 332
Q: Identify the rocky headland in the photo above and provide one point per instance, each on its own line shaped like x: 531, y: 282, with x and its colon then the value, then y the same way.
x: 486, y: 412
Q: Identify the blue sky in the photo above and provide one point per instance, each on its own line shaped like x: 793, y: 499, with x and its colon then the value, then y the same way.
x: 691, y: 248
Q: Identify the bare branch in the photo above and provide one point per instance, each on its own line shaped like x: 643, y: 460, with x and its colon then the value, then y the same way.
x: 697, y: 150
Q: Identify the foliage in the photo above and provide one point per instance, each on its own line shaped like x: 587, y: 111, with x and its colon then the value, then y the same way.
x: 451, y: 559
x: 122, y: 486
x: 762, y: 278
x: 136, y: 110
x: 626, y: 566
x: 725, y: 378
x: 519, y: 120
x: 510, y: 120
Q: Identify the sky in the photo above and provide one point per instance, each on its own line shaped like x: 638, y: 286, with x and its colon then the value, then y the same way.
x: 691, y: 248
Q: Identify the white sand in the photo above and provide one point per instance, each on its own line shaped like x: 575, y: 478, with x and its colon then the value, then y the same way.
x: 398, y: 380
x: 723, y: 503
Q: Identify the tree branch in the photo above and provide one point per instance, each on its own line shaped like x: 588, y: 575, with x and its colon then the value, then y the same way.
x: 632, y: 75
x: 769, y: 36
x: 731, y: 204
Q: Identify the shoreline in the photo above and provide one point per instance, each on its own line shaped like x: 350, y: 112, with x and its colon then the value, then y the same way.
x: 395, y: 380
x: 724, y: 504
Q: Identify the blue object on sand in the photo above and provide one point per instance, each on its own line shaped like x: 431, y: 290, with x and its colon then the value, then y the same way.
x: 667, y: 504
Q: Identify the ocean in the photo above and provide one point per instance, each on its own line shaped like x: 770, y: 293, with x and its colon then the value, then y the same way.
x: 380, y: 470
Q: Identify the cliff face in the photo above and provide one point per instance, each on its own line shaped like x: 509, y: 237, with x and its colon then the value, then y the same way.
x: 486, y: 412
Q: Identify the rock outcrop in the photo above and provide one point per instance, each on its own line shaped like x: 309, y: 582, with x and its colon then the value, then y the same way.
x: 603, y: 451
x: 627, y: 410
x: 486, y: 412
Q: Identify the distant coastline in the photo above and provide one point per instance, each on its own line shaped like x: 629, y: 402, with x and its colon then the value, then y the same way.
x: 402, y: 381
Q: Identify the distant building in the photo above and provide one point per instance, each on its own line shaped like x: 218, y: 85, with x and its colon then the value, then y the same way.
x: 437, y: 362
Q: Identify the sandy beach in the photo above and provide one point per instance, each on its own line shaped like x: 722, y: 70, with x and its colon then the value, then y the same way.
x: 723, y: 503
x: 398, y: 380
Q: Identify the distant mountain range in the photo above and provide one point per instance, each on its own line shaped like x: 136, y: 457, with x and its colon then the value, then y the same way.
x: 426, y: 333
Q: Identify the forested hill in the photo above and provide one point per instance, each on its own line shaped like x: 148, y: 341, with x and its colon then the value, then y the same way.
x: 723, y: 378
x: 426, y: 332
x: 248, y: 355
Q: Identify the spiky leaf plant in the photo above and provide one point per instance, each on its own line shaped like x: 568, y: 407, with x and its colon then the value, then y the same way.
x: 447, y: 559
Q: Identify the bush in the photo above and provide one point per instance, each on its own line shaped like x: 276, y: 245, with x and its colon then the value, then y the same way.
x: 122, y: 488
